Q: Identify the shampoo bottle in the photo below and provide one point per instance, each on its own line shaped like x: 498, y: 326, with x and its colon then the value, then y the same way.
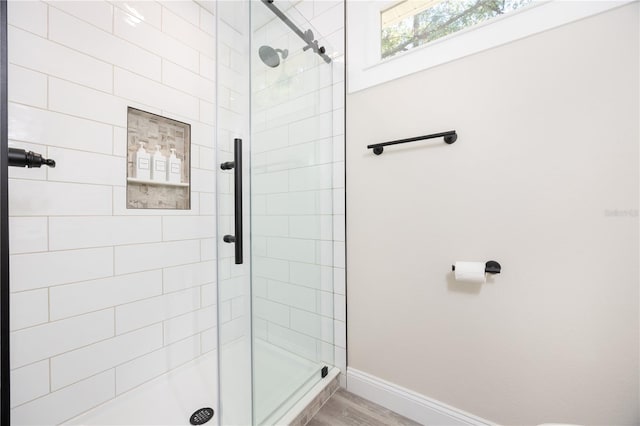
x: 174, y: 169
x: 143, y: 163
x: 159, y: 166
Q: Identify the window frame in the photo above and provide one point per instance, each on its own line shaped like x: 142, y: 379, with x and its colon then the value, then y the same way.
x: 491, y: 20
x: 366, y: 68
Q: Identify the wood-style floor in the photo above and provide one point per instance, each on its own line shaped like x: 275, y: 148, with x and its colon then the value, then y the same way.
x: 347, y: 409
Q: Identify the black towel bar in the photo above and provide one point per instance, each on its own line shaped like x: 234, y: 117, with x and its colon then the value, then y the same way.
x: 449, y: 137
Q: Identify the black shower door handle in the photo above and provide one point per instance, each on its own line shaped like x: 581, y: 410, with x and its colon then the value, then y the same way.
x: 236, y: 165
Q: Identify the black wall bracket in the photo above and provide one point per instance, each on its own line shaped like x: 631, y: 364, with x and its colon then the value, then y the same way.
x: 22, y: 158
x: 492, y: 267
x: 324, y: 371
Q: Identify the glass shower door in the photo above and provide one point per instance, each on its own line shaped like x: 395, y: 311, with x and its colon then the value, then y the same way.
x: 275, y: 309
x: 291, y: 177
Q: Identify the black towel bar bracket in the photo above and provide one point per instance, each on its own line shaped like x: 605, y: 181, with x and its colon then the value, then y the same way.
x: 23, y: 158
x: 449, y: 138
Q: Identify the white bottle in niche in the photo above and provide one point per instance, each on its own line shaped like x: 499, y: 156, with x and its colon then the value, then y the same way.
x: 174, y: 168
x: 143, y: 163
x: 159, y: 166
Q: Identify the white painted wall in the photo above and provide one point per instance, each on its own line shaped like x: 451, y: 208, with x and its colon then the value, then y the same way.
x: 547, y: 153
x: 104, y: 298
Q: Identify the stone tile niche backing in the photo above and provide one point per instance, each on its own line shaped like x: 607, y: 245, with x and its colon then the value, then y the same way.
x: 151, y: 131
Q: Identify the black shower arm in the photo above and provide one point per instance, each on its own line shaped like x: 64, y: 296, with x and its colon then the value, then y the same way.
x: 307, y: 36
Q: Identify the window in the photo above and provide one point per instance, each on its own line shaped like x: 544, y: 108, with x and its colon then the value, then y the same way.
x: 444, y: 30
x: 412, y: 23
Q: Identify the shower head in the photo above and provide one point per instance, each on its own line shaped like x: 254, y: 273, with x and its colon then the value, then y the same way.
x: 270, y: 57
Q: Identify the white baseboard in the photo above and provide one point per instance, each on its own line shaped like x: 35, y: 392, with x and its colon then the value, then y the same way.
x: 410, y: 404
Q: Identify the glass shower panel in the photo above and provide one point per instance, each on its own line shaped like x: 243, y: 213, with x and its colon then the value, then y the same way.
x: 234, y: 286
x: 291, y: 216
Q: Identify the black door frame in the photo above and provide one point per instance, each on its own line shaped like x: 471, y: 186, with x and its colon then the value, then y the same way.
x: 5, y: 404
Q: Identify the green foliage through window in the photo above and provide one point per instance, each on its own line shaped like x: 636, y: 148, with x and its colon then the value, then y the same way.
x: 440, y: 18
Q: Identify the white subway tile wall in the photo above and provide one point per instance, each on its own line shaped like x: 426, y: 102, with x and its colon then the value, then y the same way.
x: 103, y: 298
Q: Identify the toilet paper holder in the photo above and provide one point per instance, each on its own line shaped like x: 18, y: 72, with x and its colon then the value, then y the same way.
x: 491, y: 267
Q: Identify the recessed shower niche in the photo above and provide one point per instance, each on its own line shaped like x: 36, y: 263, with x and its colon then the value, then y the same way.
x: 158, y: 162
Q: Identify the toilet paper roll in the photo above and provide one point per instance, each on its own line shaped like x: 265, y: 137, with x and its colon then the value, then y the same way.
x: 470, y: 272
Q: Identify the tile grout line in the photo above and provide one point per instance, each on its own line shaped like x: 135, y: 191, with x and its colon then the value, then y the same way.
x: 48, y: 97
x: 114, y: 68
x: 102, y: 277
x: 118, y: 36
x: 91, y: 120
x: 149, y: 326
x: 123, y: 304
x: 48, y: 21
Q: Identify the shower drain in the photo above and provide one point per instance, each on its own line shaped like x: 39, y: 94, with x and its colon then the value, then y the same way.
x: 201, y: 416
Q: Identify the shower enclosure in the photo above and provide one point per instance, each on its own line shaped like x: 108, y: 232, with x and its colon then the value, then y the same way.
x: 276, y: 311
x: 220, y: 309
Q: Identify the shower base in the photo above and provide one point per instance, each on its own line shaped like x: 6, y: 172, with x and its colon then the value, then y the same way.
x: 286, y: 385
x: 279, y: 374
x: 166, y: 400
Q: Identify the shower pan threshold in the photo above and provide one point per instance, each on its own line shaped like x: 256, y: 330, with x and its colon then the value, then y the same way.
x: 298, y: 386
x: 169, y: 399
x: 311, y: 402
